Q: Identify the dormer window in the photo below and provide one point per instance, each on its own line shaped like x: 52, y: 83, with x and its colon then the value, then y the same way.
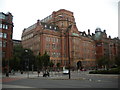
x: 2, y: 16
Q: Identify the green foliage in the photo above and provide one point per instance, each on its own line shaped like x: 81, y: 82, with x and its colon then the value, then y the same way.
x: 111, y: 71
x: 51, y: 64
x: 46, y: 60
x: 102, y: 61
x: 17, y: 51
x: 16, y: 59
x: 17, y: 62
x: 117, y: 61
x: 39, y: 61
x: 58, y: 64
x: 43, y: 61
x: 21, y: 59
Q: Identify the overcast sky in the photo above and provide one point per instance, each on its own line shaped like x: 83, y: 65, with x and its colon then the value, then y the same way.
x: 89, y: 14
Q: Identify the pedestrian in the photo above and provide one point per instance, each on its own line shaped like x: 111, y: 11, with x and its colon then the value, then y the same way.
x: 38, y: 72
x: 48, y: 73
x: 21, y: 71
x: 12, y: 71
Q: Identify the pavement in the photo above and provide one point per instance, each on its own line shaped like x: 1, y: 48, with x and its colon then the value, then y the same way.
x: 84, y: 75
x: 81, y: 78
x: 52, y: 74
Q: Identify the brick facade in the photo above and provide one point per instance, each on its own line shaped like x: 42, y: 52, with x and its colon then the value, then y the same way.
x: 16, y: 42
x: 106, y: 46
x: 52, y: 35
x: 6, y: 31
x: 58, y: 35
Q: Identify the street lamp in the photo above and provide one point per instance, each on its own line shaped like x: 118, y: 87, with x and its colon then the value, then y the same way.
x: 69, y: 56
x: 32, y: 68
x: 27, y: 62
x: 68, y: 50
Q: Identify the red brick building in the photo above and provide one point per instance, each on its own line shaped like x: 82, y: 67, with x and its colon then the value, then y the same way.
x: 58, y: 35
x: 16, y: 42
x: 106, y: 46
x: 6, y: 45
x: 6, y: 30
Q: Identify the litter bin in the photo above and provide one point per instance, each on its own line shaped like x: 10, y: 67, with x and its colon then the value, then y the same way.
x: 21, y: 72
x: 7, y: 74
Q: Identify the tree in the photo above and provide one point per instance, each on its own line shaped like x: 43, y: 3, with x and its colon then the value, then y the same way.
x: 58, y: 66
x: 39, y: 62
x: 51, y: 64
x: 18, y: 61
x: 28, y: 59
x: 46, y: 60
x: 117, y: 61
x: 43, y: 61
x: 103, y: 61
x: 14, y: 62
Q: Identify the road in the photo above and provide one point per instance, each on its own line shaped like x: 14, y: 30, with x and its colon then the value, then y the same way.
x: 79, y: 79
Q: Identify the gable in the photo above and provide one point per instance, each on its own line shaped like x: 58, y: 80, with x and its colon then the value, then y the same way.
x: 74, y: 29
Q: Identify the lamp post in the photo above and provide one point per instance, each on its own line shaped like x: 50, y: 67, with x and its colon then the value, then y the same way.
x: 32, y: 68
x: 68, y: 51
x: 69, y: 55
x: 27, y: 63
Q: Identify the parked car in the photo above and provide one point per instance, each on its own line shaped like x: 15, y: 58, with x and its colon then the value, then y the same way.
x: 66, y: 71
x: 83, y: 69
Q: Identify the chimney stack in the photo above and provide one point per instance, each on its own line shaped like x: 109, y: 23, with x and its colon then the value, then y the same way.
x: 109, y: 37
x: 88, y: 31
x: 104, y: 31
x: 93, y: 34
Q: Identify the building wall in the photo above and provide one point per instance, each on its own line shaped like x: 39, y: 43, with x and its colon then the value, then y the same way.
x: 106, y: 46
x: 119, y: 19
x: 6, y: 30
x: 53, y: 33
x: 16, y: 42
x: 58, y: 35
